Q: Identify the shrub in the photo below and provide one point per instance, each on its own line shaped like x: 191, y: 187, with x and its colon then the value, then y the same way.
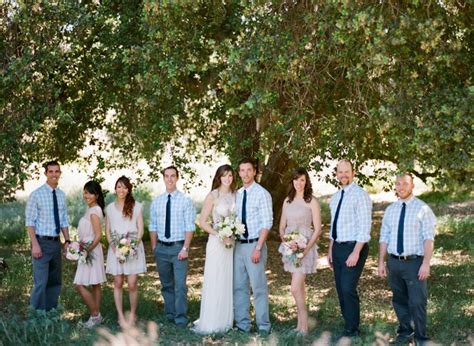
x: 40, y: 328
x: 12, y: 227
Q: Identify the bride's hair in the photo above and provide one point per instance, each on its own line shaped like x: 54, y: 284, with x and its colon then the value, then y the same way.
x: 308, y: 189
x: 221, y: 171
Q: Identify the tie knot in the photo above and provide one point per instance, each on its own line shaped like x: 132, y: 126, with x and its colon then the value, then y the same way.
x: 342, y: 192
x: 169, y: 196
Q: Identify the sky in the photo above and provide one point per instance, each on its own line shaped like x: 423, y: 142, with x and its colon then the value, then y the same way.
x: 74, y: 177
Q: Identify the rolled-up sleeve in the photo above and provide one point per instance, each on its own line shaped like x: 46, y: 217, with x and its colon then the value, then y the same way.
x: 385, y: 229
x: 428, y: 223
x: 64, y: 221
x: 190, y: 216
x: 31, y: 211
x: 153, y: 224
x: 364, y: 218
x: 266, y: 210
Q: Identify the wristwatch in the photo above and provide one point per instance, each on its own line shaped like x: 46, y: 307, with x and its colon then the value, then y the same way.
x: 184, y: 249
x: 67, y: 241
x: 258, y: 248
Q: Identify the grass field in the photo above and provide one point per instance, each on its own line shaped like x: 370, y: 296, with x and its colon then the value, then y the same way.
x: 451, y: 288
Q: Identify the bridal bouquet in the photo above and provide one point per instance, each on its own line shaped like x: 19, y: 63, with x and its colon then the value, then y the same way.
x: 293, y: 247
x: 77, y: 251
x: 230, y: 227
x: 126, y: 246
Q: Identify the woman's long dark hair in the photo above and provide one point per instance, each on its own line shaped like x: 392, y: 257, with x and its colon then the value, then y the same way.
x: 308, y: 189
x: 221, y: 171
x: 129, y: 200
x: 94, y: 188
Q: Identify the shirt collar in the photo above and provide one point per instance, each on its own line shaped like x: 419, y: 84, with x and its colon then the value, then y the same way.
x: 349, y: 187
x: 248, y: 189
x: 173, y: 194
x: 49, y: 188
x: 407, y: 201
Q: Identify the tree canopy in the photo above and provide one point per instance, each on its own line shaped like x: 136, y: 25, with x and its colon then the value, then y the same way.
x: 292, y: 83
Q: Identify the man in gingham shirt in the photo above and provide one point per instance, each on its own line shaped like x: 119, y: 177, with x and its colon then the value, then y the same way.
x: 351, y: 221
x: 172, y: 225
x: 254, y: 209
x: 45, y: 217
x: 407, y: 234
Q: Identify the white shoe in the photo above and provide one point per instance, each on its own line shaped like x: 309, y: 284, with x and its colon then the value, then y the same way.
x: 93, y: 321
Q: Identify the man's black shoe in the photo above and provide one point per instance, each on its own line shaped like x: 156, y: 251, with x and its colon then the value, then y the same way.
x: 239, y: 330
x: 403, y: 339
x: 354, y: 334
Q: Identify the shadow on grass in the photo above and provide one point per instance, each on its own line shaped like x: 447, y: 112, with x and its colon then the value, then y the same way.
x: 450, y: 302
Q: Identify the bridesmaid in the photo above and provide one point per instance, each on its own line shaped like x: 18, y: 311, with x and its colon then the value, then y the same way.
x: 216, y: 314
x: 93, y: 273
x: 124, y: 216
x: 301, y: 212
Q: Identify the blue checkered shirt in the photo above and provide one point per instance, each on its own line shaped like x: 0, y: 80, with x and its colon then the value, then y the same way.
x: 259, y: 209
x: 355, y: 216
x: 420, y: 224
x: 183, y: 216
x: 39, y: 211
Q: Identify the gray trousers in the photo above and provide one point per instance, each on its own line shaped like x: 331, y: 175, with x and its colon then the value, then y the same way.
x: 47, y: 276
x: 410, y: 296
x: 248, y: 274
x: 173, y: 273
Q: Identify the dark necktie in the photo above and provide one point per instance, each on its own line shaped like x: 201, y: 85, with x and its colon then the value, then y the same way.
x: 56, y: 212
x: 168, y: 218
x: 334, y: 224
x: 244, y: 214
x: 401, y: 226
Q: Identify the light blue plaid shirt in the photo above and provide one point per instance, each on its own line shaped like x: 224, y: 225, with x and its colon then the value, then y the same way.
x: 39, y: 211
x: 420, y: 224
x: 259, y: 209
x: 183, y: 216
x: 355, y: 216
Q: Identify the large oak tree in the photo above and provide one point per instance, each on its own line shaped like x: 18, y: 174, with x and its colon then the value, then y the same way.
x: 293, y: 83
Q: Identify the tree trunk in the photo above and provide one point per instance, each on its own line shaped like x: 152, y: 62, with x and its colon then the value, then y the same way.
x: 275, y: 177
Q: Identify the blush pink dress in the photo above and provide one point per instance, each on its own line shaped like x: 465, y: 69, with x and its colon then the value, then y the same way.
x: 92, y: 273
x: 299, y: 217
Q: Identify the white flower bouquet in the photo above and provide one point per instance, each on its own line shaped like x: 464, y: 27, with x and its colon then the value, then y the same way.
x: 293, y: 247
x: 230, y: 227
x: 77, y: 251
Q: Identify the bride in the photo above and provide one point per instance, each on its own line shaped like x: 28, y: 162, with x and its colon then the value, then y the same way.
x: 216, y: 314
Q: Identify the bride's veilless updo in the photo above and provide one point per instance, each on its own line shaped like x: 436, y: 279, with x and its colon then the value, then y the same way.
x: 221, y: 171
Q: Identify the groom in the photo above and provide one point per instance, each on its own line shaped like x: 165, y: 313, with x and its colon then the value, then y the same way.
x: 254, y: 208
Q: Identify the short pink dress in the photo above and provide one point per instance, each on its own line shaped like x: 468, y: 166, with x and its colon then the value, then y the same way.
x: 92, y: 273
x: 299, y: 217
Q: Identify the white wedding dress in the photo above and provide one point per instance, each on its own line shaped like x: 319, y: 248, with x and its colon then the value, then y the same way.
x: 217, y: 314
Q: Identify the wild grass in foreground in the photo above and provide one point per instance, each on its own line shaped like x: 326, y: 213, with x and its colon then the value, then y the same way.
x: 451, y: 307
